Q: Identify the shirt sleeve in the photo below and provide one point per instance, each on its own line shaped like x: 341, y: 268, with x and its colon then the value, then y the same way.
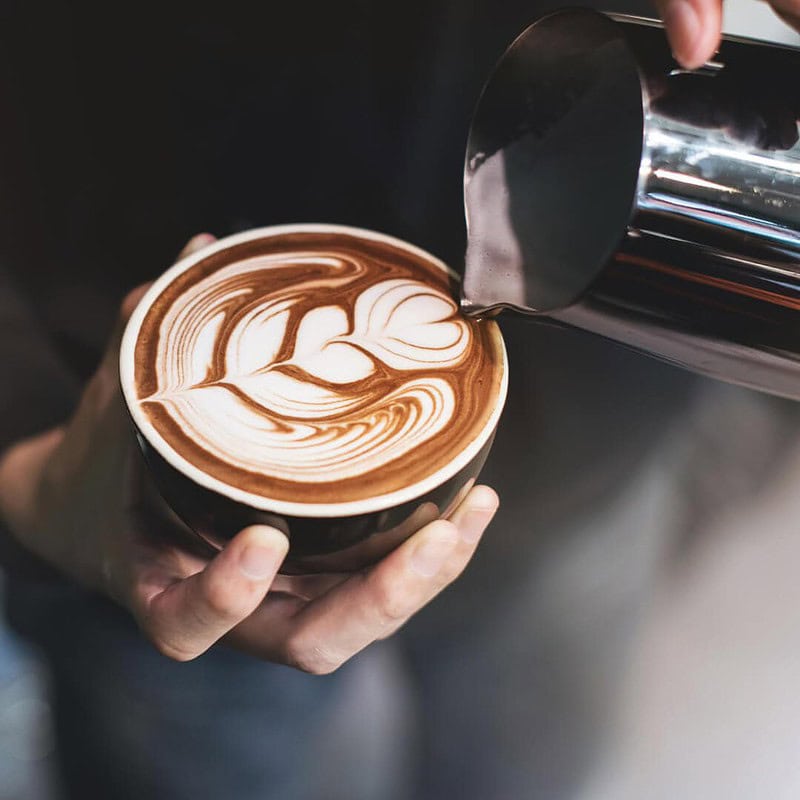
x: 37, y: 389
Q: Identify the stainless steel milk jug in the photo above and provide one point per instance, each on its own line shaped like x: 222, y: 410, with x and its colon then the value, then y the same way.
x: 609, y: 189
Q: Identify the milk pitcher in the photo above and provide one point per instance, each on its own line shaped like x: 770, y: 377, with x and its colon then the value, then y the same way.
x: 609, y: 189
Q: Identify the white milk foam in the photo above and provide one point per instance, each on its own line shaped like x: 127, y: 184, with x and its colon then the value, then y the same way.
x: 315, y: 415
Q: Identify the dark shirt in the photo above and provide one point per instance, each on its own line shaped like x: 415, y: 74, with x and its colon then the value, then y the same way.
x: 131, y: 133
x: 126, y: 132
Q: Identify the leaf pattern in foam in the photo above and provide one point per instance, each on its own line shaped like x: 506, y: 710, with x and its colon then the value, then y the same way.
x: 312, y: 450
x: 403, y: 323
x: 409, y: 326
x: 256, y: 339
x: 188, y: 339
x: 289, y: 397
x: 321, y: 348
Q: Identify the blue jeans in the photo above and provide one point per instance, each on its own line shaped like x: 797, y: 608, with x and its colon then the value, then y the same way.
x: 131, y: 723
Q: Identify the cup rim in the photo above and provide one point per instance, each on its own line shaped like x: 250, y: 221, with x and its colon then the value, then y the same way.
x: 261, y: 502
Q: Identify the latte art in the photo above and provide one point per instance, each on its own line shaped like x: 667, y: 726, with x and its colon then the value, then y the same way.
x: 315, y: 368
x: 330, y: 405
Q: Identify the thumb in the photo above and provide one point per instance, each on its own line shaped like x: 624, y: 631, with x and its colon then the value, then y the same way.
x: 189, y: 616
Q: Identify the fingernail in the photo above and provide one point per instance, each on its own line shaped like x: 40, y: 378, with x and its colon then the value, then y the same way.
x: 258, y: 561
x: 432, y: 553
x: 683, y: 24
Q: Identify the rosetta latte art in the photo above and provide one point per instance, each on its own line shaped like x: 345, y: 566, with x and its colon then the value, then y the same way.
x: 305, y: 367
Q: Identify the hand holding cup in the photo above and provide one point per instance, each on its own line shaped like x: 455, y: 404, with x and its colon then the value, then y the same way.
x: 80, y: 498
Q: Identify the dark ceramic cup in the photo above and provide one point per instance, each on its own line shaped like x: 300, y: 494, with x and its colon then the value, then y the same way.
x: 324, y: 537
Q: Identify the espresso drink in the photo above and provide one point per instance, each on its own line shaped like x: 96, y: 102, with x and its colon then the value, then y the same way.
x: 315, y: 366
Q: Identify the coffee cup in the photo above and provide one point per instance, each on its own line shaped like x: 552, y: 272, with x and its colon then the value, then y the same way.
x: 315, y: 378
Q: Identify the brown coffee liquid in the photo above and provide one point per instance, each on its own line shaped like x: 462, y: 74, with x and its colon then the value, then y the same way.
x: 316, y: 367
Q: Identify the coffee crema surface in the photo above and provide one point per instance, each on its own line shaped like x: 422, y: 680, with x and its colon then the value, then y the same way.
x: 316, y: 367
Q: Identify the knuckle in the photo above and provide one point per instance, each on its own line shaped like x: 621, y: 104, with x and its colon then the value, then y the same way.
x: 388, y: 632
x: 391, y: 603
x: 221, y: 602
x: 173, y: 651
x: 311, y: 656
x: 450, y: 573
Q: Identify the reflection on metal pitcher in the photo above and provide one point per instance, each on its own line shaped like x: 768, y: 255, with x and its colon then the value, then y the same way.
x: 609, y: 189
